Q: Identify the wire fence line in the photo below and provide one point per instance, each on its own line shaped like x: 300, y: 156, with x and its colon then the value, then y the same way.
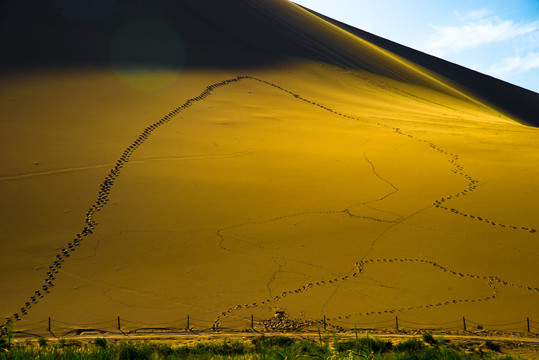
x: 279, y: 323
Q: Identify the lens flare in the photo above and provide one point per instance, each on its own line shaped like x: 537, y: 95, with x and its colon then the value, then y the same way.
x: 147, y: 54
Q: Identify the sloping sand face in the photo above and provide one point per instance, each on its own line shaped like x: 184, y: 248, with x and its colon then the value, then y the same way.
x: 304, y: 188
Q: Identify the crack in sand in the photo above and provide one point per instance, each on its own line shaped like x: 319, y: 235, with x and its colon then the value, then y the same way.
x: 100, y: 166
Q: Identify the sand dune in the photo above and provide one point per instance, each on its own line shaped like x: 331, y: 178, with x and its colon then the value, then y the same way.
x: 334, y: 179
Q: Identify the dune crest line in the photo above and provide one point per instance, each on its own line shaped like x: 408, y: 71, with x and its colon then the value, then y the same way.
x: 107, y: 184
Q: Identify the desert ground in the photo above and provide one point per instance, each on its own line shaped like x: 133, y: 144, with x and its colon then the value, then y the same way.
x: 319, y: 190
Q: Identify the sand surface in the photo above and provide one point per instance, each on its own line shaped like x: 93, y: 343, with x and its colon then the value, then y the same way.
x: 254, y: 200
x: 354, y: 194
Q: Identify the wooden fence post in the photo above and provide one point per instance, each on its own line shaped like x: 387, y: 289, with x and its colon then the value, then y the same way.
x: 252, y: 322
x: 528, y: 322
x: 50, y: 327
x: 325, y: 323
x: 464, y: 323
x: 187, y: 322
x: 397, y: 323
x: 119, y: 325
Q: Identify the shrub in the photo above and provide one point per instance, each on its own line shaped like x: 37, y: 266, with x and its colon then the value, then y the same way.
x: 375, y: 345
x: 130, y: 351
x: 231, y: 348
x: 410, y: 345
x: 226, y: 348
x: 492, y: 346
x: 42, y: 342
x: 4, y: 346
x: 101, y: 342
x: 287, y: 353
x: 275, y: 341
x: 68, y: 343
x: 369, y: 344
x: 6, y: 334
x: 164, y: 350
x: 429, y: 339
x: 312, y: 348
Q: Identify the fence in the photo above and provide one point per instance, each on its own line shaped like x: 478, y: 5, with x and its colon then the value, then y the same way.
x: 119, y: 326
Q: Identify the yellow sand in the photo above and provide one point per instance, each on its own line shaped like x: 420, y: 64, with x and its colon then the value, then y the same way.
x: 253, y: 193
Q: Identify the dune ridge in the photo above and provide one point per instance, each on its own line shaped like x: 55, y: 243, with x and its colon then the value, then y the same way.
x: 248, y: 33
x: 511, y: 99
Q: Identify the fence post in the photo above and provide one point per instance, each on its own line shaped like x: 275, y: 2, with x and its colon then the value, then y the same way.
x: 464, y: 323
x: 50, y: 327
x: 252, y: 322
x: 528, y: 321
x: 187, y: 322
x: 397, y: 323
x: 325, y: 323
x: 119, y: 325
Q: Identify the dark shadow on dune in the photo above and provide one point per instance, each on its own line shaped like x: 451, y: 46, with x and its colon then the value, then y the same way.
x: 229, y: 34
x: 143, y: 33
x: 153, y: 34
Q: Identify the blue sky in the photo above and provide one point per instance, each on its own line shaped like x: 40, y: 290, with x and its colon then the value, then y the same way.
x: 498, y: 38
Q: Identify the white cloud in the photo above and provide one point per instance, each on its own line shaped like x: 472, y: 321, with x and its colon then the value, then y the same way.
x: 516, y: 64
x: 473, y: 15
x: 454, y: 39
x: 478, y: 29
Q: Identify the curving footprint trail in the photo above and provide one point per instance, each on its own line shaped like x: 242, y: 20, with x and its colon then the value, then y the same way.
x: 471, y: 185
x: 107, y: 184
x: 458, y: 168
x: 359, y: 269
x: 103, y: 196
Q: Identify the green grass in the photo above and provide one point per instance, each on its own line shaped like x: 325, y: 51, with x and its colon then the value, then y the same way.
x: 264, y: 348
x: 6, y: 335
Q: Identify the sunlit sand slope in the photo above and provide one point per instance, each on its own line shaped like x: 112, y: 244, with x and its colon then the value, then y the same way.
x: 354, y: 192
x: 270, y: 192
